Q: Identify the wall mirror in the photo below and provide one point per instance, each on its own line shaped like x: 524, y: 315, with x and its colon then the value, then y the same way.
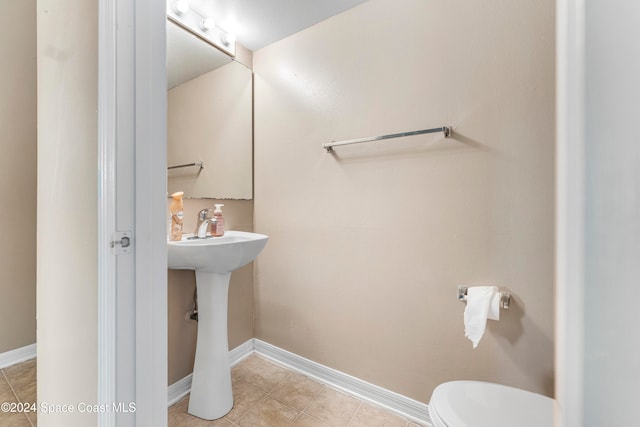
x: 209, y: 120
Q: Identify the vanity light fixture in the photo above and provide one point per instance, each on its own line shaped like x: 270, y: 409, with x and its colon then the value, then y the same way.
x: 202, y: 26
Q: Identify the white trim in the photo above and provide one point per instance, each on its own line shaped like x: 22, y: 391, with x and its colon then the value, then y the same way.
x: 178, y: 390
x: 106, y: 209
x: 241, y: 352
x: 570, y: 212
x: 132, y: 318
x: 402, y: 405
x: 22, y: 354
x: 150, y: 247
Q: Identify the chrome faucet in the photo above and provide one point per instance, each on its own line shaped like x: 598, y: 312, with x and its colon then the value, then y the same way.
x: 202, y: 230
x: 203, y: 222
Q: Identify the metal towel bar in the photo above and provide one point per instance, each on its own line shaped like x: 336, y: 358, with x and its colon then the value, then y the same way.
x: 199, y: 164
x: 447, y: 130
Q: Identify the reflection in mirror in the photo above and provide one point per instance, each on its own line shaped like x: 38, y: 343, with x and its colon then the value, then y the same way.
x: 188, y: 56
x: 209, y: 119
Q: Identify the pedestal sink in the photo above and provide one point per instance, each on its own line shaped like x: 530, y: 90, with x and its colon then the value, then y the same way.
x: 213, y: 259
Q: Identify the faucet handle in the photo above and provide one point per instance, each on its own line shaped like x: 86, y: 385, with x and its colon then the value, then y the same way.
x: 202, y: 215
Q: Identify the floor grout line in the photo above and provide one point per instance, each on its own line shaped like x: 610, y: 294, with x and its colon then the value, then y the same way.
x: 252, y: 406
x: 29, y: 419
x: 10, y: 386
x: 15, y: 394
x: 289, y: 375
x: 353, y: 416
x: 270, y: 395
x: 315, y: 396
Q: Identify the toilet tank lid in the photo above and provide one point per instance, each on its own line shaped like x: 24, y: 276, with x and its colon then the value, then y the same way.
x: 483, y: 404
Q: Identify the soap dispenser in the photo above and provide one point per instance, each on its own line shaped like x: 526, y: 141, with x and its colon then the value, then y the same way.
x: 177, y: 214
x: 217, y: 227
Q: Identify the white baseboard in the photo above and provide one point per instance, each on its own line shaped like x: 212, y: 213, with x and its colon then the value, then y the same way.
x: 241, y: 352
x: 179, y: 389
x: 18, y: 355
x: 402, y: 405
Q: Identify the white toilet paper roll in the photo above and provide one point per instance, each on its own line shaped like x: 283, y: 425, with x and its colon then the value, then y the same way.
x: 494, y: 307
x: 483, y: 302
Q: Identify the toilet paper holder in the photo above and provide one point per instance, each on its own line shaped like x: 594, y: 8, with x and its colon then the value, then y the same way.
x: 505, y: 297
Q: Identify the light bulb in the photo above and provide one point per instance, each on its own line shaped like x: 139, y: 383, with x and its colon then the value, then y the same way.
x: 207, y: 24
x: 228, y: 39
x: 181, y: 7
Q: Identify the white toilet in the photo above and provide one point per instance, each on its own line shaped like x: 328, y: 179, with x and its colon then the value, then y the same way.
x: 482, y: 404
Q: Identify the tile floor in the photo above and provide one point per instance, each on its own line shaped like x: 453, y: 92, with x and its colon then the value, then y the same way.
x: 18, y: 385
x: 266, y: 394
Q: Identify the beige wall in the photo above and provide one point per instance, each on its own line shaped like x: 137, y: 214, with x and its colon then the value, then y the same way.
x: 18, y: 174
x: 67, y: 194
x: 181, y: 284
x: 367, y: 246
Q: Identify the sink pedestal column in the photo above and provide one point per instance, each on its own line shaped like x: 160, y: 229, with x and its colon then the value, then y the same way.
x: 211, y: 394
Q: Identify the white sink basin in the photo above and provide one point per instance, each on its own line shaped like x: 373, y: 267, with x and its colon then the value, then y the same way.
x: 213, y: 259
x: 216, y: 254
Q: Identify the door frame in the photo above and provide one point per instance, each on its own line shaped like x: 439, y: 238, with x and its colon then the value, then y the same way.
x: 570, y: 212
x: 132, y: 292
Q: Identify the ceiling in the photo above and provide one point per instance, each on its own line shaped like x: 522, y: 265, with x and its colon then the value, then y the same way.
x: 189, y: 57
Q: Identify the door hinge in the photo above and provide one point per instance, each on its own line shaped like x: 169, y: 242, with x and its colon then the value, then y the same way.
x: 121, y: 242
